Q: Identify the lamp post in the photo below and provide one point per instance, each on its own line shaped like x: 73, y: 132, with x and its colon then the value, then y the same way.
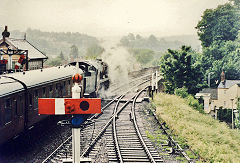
x: 232, y: 113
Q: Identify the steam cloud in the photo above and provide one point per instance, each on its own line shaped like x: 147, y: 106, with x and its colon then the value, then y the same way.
x: 119, y: 60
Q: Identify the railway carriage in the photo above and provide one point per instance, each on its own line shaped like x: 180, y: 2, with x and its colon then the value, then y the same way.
x: 19, y: 93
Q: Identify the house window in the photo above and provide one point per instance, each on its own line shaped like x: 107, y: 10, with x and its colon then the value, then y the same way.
x: 225, y: 91
x: 224, y: 103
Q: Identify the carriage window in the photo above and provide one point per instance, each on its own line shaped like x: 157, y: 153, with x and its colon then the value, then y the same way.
x: 8, y: 111
x: 64, y: 89
x: 15, y: 105
x: 30, y: 100
x: 50, y: 91
x: 44, y: 92
x: 69, y: 88
x: 36, y: 93
x: 0, y: 116
x: 1, y: 109
x: 36, y: 99
x: 57, y: 90
x: 20, y: 106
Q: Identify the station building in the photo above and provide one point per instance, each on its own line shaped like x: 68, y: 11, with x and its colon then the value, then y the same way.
x: 224, y: 96
x: 19, y: 54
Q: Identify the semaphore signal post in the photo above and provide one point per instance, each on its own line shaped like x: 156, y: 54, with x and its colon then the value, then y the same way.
x: 76, y: 106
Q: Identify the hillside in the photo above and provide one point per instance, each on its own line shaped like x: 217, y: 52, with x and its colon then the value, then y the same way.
x: 160, y: 44
x: 52, y: 43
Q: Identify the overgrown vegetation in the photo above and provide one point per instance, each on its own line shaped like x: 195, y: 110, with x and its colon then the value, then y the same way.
x: 212, y: 140
x: 194, y: 103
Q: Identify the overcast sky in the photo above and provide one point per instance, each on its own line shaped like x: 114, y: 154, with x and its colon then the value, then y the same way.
x: 106, y: 17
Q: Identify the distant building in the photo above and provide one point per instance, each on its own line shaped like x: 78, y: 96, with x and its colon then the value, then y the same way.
x: 225, y: 96
x: 19, y: 54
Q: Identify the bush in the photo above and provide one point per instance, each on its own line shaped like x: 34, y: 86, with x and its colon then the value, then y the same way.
x: 182, y: 92
x: 195, y: 104
x: 225, y: 115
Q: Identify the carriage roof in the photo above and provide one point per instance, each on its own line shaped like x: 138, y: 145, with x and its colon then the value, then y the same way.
x: 34, y: 78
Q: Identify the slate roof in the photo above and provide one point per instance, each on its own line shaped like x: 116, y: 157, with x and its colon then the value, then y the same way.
x: 212, y: 91
x: 33, y: 52
x: 228, y: 83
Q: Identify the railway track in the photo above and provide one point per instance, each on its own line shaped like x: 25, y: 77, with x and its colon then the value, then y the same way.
x: 129, y: 143
x: 91, y: 133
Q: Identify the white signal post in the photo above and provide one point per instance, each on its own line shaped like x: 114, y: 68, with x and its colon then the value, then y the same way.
x: 76, y: 92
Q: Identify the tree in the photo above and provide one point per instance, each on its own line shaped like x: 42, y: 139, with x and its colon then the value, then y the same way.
x: 131, y: 37
x: 94, y: 51
x: 138, y: 37
x: 221, y: 56
x: 220, y: 24
x: 61, y: 56
x: 74, y: 51
x: 181, y: 70
x: 124, y: 41
x: 236, y: 2
x: 143, y: 56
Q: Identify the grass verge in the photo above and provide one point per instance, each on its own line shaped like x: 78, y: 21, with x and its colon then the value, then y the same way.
x: 212, y: 140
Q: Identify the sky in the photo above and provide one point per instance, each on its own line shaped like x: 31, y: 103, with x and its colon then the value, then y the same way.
x: 106, y: 17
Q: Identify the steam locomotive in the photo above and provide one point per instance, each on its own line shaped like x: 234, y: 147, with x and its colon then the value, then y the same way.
x: 19, y: 92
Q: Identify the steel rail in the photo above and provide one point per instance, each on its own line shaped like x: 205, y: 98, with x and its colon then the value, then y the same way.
x: 171, y: 139
x: 148, y: 75
x: 61, y: 145
x: 115, y: 139
x: 137, y: 128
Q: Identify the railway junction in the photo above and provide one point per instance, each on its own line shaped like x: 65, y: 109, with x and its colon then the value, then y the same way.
x: 120, y: 132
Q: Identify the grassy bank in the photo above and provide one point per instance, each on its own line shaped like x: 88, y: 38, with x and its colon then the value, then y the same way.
x: 212, y: 140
